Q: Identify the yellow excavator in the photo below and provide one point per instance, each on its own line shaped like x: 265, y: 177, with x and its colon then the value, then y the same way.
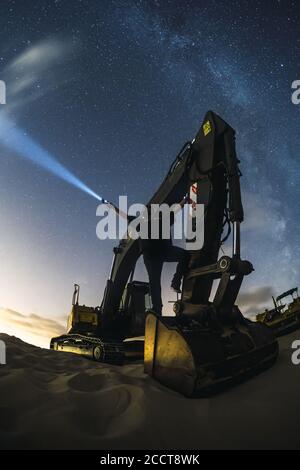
x: 283, y: 318
x: 208, y: 344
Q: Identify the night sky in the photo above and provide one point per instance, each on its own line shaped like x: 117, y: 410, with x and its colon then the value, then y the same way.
x: 113, y: 89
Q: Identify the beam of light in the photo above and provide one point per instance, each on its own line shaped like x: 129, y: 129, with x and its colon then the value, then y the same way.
x: 17, y: 140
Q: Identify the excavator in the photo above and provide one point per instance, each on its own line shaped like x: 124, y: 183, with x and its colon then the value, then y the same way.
x: 283, y: 318
x: 208, y: 344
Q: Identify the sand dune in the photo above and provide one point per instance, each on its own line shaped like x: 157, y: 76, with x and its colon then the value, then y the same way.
x: 57, y: 400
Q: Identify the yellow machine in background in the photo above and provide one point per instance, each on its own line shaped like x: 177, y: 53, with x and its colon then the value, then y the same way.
x: 283, y: 318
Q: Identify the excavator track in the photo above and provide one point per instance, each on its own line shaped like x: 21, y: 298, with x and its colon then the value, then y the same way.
x: 90, y: 346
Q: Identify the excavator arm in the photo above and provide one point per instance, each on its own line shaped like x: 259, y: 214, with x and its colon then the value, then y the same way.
x: 209, y: 344
x: 209, y: 161
x: 214, y: 168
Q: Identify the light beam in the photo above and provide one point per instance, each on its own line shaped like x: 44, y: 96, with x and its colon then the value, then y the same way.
x: 17, y: 140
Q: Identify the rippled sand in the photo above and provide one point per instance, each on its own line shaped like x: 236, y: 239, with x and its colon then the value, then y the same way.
x: 55, y: 400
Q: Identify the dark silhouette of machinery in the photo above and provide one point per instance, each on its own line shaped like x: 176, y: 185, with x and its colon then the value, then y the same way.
x: 208, y: 344
x: 283, y: 318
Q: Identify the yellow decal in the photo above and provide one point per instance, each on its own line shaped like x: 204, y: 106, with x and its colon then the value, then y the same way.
x: 206, y: 128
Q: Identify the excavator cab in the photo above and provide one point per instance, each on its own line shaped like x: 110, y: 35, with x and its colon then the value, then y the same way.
x: 135, y: 303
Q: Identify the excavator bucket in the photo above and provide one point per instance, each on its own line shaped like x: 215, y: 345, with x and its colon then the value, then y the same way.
x: 198, y: 361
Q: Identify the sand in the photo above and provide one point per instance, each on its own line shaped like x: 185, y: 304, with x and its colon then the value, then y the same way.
x: 53, y: 400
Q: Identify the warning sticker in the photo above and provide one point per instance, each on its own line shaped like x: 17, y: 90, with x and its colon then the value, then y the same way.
x: 206, y: 128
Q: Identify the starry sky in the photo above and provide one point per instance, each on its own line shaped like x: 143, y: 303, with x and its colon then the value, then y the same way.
x: 113, y: 89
